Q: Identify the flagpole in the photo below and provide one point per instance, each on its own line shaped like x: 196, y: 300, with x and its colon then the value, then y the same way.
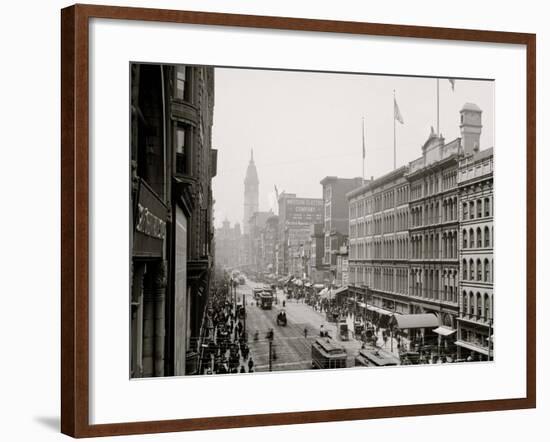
x: 437, y: 107
x: 364, y: 153
x: 394, y: 162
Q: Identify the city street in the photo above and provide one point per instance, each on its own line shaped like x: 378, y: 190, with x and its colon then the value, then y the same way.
x: 292, y: 350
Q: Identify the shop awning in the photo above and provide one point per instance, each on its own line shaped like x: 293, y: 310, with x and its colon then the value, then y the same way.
x: 340, y: 290
x: 444, y: 331
x: 472, y: 347
x: 416, y: 321
x: 379, y: 310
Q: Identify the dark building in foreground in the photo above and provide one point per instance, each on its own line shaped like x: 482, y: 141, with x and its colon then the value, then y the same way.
x: 172, y: 165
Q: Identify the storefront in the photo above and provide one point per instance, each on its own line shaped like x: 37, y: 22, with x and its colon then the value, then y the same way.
x: 149, y: 276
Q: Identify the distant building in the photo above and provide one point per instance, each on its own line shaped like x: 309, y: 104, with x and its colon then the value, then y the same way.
x: 270, y: 238
x: 336, y: 217
x: 228, y: 241
x: 251, y: 193
x: 256, y: 227
x: 316, y: 250
x: 296, y: 215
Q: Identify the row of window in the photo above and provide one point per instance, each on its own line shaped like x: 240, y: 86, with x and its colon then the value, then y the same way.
x: 431, y: 185
x: 477, y: 208
x: 429, y: 246
x: 426, y: 283
x: 378, y: 203
x: 478, y: 306
x: 477, y: 270
x: 431, y: 213
x: 380, y: 249
x: 478, y: 238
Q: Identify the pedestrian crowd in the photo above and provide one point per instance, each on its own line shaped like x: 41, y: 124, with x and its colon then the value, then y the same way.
x: 227, y: 349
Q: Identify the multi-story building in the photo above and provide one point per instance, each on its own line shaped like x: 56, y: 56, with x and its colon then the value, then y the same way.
x: 336, y: 217
x: 256, y: 226
x: 317, y: 271
x: 228, y: 241
x: 270, y: 237
x: 412, y: 252
x: 173, y: 164
x: 296, y: 215
x: 378, y: 242
x: 475, y: 183
x: 433, y: 232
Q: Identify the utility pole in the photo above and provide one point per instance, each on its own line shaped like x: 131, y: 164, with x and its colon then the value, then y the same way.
x: 270, y: 354
x: 244, y: 311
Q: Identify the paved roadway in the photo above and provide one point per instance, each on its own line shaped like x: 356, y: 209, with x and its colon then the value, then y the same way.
x: 292, y: 348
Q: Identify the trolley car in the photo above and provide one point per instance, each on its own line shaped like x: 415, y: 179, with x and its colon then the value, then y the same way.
x: 327, y: 353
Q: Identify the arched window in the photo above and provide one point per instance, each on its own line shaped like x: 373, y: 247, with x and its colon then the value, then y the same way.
x: 479, y: 209
x: 471, y: 304
x: 487, y: 204
x: 471, y: 270
x: 487, y: 237
x: 486, y: 306
x: 464, y: 269
x: 486, y: 268
x: 464, y: 239
x: 479, y: 239
x: 472, y: 238
x: 478, y: 304
x: 465, y: 211
x: 478, y: 265
x: 464, y: 302
x: 472, y: 210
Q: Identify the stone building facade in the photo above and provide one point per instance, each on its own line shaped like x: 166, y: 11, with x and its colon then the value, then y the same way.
x: 475, y: 182
x: 173, y: 164
x: 421, y: 238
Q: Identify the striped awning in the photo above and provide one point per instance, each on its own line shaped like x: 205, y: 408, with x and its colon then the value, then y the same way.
x: 472, y: 347
x: 422, y: 320
x: 444, y: 331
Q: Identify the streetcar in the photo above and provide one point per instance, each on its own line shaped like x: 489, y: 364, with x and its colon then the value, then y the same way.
x: 375, y: 357
x: 327, y: 353
x: 266, y: 300
x: 256, y: 292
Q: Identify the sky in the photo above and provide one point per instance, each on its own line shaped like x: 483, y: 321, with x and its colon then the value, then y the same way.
x: 304, y: 126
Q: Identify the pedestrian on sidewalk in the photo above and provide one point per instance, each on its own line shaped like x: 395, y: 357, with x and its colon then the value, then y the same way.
x: 305, y: 333
x: 250, y: 365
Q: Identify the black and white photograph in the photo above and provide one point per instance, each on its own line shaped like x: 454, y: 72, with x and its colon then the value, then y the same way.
x: 288, y: 220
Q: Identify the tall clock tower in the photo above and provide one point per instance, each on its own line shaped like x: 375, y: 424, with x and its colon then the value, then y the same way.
x: 251, y: 193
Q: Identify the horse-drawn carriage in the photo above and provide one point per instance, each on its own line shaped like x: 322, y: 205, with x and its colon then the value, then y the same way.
x: 281, y: 318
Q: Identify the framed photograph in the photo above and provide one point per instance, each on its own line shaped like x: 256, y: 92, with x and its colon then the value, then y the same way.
x: 272, y: 221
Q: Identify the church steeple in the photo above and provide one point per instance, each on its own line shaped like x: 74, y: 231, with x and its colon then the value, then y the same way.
x: 251, y: 172
x: 251, y: 192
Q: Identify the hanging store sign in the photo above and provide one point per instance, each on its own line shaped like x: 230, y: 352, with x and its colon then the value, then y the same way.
x: 149, y: 223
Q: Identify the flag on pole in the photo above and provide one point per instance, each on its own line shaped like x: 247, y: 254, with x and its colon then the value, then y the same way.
x: 363, y: 138
x: 452, y: 81
x: 396, y: 113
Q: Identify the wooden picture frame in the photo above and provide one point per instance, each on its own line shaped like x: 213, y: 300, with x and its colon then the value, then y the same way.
x: 75, y: 219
